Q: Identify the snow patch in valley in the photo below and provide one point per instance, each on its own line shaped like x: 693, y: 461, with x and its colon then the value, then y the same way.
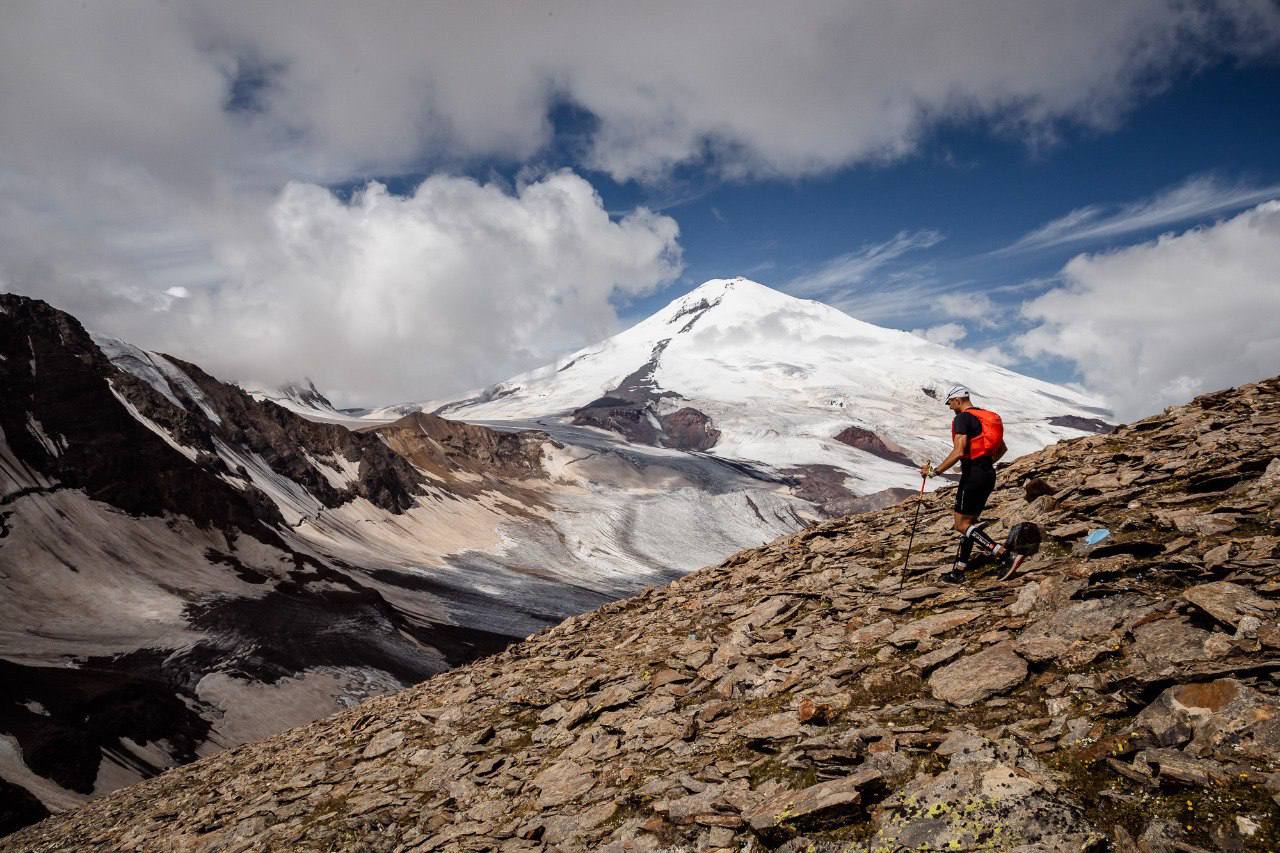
x: 14, y: 769
x: 294, y: 502
x: 96, y: 582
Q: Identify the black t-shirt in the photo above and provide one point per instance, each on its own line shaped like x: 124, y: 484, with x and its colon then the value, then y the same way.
x: 967, y: 424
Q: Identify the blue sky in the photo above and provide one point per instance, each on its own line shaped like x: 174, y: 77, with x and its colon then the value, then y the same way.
x: 982, y: 192
x: 409, y: 201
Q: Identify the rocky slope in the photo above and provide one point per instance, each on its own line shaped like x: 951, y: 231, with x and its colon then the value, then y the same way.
x: 1119, y: 694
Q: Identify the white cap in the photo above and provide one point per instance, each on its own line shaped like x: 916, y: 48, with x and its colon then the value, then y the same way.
x: 957, y: 391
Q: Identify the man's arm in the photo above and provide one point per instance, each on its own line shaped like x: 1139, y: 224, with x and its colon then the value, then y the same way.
x: 960, y: 444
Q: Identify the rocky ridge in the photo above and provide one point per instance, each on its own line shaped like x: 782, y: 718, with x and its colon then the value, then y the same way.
x: 1119, y: 694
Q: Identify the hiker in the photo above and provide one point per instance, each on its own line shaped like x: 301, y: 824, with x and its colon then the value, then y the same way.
x: 977, y: 437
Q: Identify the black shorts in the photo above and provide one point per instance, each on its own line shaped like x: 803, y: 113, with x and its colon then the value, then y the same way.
x: 977, y: 480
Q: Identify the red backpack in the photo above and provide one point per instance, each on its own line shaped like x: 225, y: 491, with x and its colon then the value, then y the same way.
x: 990, y: 439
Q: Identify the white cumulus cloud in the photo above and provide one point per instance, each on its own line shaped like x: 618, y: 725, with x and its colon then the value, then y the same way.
x: 946, y: 334
x: 1155, y: 323
x: 386, y: 298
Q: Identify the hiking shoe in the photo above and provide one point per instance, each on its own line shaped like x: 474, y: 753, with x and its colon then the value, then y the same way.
x: 955, y: 576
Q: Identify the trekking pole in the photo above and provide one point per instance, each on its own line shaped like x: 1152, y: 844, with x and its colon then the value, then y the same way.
x: 902, y: 578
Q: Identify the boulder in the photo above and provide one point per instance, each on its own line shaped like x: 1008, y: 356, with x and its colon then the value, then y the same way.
x: 1078, y: 632
x: 988, y: 805
x: 1222, y: 716
x: 563, y: 782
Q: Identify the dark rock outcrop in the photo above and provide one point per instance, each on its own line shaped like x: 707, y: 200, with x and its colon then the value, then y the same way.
x: 18, y: 808
x: 688, y: 429
x: 865, y: 439
x: 1094, y: 425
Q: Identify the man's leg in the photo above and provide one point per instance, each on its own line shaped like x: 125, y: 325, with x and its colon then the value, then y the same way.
x: 975, y: 534
x: 964, y: 551
x: 971, y: 498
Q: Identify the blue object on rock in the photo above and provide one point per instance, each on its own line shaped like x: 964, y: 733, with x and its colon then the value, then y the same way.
x: 1097, y: 535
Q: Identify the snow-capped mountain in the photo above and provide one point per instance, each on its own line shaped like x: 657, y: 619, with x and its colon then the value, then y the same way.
x: 303, y: 398
x: 744, y: 372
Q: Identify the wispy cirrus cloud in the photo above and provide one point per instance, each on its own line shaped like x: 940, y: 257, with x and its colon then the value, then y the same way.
x: 855, y: 268
x: 1195, y: 198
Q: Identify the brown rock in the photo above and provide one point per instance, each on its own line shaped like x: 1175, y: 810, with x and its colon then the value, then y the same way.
x: 813, y: 713
x: 666, y: 676
x: 383, y: 743
x: 776, y: 727
x: 972, y: 679
x: 826, y: 805
x: 928, y: 662
x: 1228, y: 602
x: 931, y: 626
x: 562, y: 782
x: 867, y: 634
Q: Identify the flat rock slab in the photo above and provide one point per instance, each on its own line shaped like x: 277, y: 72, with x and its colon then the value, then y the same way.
x: 868, y: 634
x: 1071, y: 631
x: 931, y: 626
x: 1229, y: 602
x: 774, y: 727
x: 823, y: 806
x: 562, y: 782
x: 972, y: 679
x: 918, y: 593
x: 958, y: 808
x: 1167, y: 643
x: 383, y: 743
x: 936, y: 658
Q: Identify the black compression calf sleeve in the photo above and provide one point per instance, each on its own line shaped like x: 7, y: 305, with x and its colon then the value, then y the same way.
x: 977, y: 534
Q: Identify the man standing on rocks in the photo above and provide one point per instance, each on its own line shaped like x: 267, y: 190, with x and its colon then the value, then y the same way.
x: 977, y: 437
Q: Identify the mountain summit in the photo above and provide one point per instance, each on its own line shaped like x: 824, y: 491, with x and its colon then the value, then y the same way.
x: 746, y: 372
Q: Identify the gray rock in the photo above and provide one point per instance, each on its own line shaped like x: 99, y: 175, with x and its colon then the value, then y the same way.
x: 825, y: 805
x: 562, y: 782
x: 1229, y: 602
x: 1077, y: 633
x: 932, y: 626
x: 960, y: 808
x: 1218, y: 716
x: 972, y: 679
